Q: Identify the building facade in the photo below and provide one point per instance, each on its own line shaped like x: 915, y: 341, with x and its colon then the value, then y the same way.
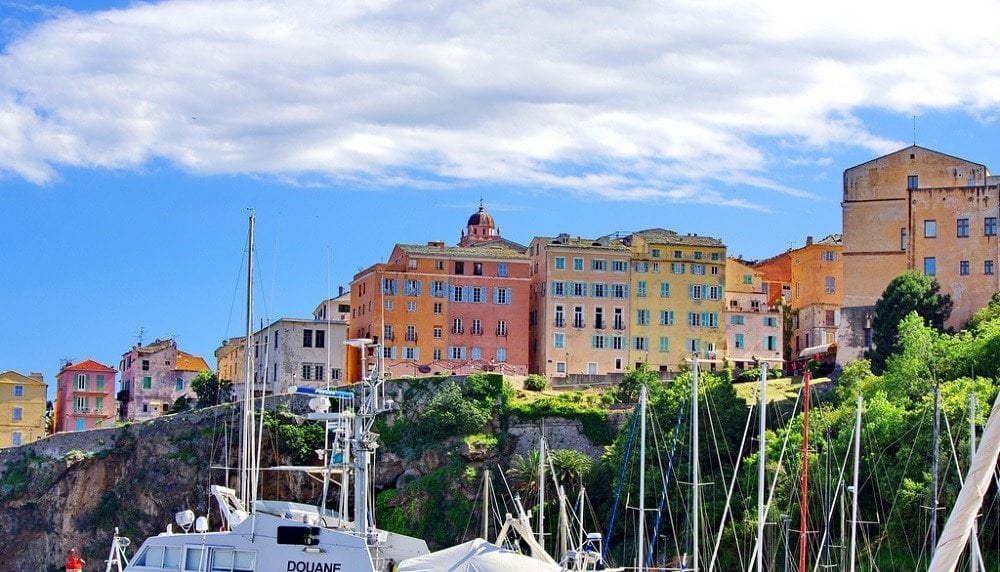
x: 816, y: 296
x: 678, y: 303
x: 85, y: 396
x: 153, y: 377
x: 440, y: 309
x: 754, y: 327
x: 916, y: 209
x: 22, y: 408
x: 579, y: 306
x: 298, y: 352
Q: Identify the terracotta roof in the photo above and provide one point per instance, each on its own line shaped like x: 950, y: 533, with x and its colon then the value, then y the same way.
x: 663, y: 236
x: 188, y: 362
x: 564, y: 240
x: 87, y: 365
x: 498, y: 251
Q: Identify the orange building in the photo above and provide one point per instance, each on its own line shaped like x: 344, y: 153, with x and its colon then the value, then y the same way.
x: 916, y: 209
x: 440, y: 309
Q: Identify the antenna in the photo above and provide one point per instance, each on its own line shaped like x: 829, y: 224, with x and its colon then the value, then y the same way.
x: 142, y: 332
x: 914, y: 130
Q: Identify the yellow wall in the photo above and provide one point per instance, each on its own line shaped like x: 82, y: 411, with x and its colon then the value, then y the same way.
x: 31, y: 404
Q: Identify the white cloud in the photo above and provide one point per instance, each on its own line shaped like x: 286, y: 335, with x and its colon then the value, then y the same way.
x: 662, y: 101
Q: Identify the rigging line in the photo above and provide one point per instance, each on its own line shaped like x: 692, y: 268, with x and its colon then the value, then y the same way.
x: 665, y: 477
x: 880, y: 466
x: 836, y: 495
x: 621, y: 480
x: 729, y: 494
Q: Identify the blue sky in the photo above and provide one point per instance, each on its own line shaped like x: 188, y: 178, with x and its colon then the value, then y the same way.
x: 135, y: 136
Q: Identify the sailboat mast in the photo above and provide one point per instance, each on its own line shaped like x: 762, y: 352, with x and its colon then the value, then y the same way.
x: 695, y: 476
x: 247, y: 436
x: 974, y: 556
x: 641, y: 533
x: 761, y: 461
x: 854, y: 497
x: 541, y: 489
x: 804, y: 509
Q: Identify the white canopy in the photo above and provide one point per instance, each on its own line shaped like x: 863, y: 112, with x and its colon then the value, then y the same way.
x: 475, y: 556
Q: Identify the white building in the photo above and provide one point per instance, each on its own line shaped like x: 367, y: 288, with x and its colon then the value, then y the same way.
x: 299, y: 351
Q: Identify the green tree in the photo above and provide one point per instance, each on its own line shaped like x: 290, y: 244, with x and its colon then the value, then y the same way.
x: 988, y: 314
x: 628, y: 389
x: 449, y: 413
x: 210, y: 390
x: 908, y: 292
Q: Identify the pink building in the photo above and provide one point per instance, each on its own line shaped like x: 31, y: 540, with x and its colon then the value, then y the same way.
x: 154, y: 376
x: 85, y: 396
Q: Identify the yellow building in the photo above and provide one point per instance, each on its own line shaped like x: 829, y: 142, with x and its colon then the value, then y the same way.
x: 817, y: 289
x: 677, y: 300
x: 22, y: 408
x: 916, y: 209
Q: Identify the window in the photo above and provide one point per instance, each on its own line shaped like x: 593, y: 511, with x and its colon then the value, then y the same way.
x: 694, y: 319
x: 501, y: 354
x: 829, y: 256
x: 639, y: 343
x: 619, y: 266
x: 599, y: 290
x: 411, y: 306
x: 18, y: 391
x: 678, y: 254
x: 456, y: 352
x: 599, y: 265
x: 477, y: 328
x: 438, y: 332
x: 617, y: 342
x: 988, y: 267
x: 411, y: 333
x: 388, y: 304
x: 902, y: 238
x: 501, y: 295
x: 439, y: 289
x: 477, y: 295
x: 642, y: 317
x: 619, y: 290
x: 640, y: 289
x: 559, y: 341
x: 736, y: 320
x: 320, y: 339
x: 748, y: 279
x: 715, y: 292
x: 619, y: 319
x: 577, y: 264
x: 930, y: 266
x: 770, y: 321
x: 693, y: 344
x: 145, y: 365
x: 640, y: 266
x: 15, y: 438
x: 963, y: 267
x: 738, y: 342
x: 477, y: 268
x: 930, y: 228
x: 560, y: 318
x: 664, y: 289
x: 389, y: 286
x: 655, y: 252
x: 456, y: 326
x: 439, y: 264
x: 962, y: 226
x: 502, y: 269
x: 666, y: 317
x: 715, y: 256
x: 578, y: 317
x: 599, y: 318
x: 179, y: 384
x: 17, y: 413
x: 501, y: 328
x: 81, y: 424
x: 697, y: 269
x: 81, y: 382
x: 307, y: 369
x: 457, y: 293
x: 436, y: 353
x: 677, y: 267
x: 579, y: 289
x: 438, y: 308
x: 598, y: 341
x: 560, y: 367
x: 830, y: 284
x: 664, y: 344
x: 147, y: 382
x: 387, y: 332
x: 911, y: 182
x: 771, y: 343
x: 558, y: 288
x: 990, y: 226
x: 831, y: 318
x: 695, y: 291
x: 307, y: 338
x: 559, y: 263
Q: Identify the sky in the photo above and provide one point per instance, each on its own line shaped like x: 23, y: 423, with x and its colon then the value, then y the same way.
x: 135, y: 137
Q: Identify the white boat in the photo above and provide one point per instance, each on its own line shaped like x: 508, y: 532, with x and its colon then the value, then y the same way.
x: 279, y: 536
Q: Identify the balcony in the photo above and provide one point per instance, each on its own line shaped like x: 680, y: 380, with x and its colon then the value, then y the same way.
x: 559, y: 323
x: 411, y: 337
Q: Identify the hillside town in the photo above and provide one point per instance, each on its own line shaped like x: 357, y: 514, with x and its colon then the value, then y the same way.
x: 581, y: 311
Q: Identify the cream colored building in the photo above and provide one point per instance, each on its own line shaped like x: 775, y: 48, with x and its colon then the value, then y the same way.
x: 754, y: 330
x: 22, y: 408
x: 579, y: 310
x: 916, y: 209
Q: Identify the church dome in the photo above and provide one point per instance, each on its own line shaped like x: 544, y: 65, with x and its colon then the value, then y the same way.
x: 481, y: 218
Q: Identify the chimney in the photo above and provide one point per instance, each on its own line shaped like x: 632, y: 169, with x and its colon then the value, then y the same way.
x: 340, y: 291
x: 809, y: 240
x: 37, y: 375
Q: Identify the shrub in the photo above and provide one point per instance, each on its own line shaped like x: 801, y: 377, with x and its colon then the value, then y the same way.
x: 535, y: 382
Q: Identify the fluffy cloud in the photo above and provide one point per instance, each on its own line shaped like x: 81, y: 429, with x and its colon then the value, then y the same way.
x: 673, y: 100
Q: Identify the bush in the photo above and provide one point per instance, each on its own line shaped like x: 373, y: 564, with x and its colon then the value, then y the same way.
x: 535, y: 382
